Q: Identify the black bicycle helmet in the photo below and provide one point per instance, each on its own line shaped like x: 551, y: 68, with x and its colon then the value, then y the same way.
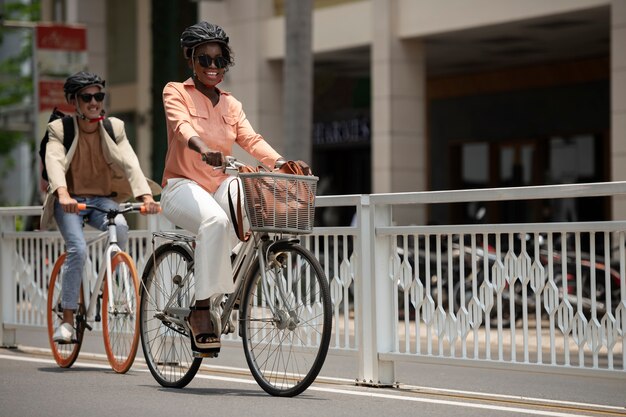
x: 80, y: 80
x: 200, y: 33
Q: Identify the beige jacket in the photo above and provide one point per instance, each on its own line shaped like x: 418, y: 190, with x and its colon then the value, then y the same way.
x: 128, y: 179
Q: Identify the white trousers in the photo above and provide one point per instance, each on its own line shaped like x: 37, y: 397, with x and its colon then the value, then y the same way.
x: 189, y: 206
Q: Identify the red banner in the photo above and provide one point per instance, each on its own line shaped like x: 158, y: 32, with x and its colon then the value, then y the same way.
x: 67, y: 38
x: 60, y: 52
x: 51, y: 96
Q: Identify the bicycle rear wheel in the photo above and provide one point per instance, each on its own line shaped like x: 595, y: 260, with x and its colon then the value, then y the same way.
x: 120, y: 327
x: 166, y: 344
x: 285, y: 350
x: 64, y: 354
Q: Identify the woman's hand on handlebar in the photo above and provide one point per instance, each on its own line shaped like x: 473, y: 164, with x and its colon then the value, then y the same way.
x: 213, y: 158
x: 210, y: 156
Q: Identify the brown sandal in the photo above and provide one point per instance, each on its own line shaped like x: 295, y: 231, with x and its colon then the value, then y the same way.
x: 205, y: 340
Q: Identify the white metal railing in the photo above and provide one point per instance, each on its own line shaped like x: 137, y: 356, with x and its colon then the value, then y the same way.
x: 530, y: 296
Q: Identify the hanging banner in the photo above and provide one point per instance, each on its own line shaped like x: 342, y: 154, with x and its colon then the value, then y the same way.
x: 60, y: 50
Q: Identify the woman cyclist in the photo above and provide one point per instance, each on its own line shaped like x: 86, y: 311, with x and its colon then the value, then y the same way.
x: 203, y: 124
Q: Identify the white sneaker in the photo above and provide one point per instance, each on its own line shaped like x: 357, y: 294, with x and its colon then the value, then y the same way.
x: 64, y: 334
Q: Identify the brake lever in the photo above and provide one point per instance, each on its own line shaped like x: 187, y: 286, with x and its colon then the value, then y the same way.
x: 229, y: 166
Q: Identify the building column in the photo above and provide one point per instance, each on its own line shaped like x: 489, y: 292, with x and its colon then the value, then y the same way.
x: 255, y: 81
x: 144, y: 86
x: 618, y: 102
x: 398, y: 111
x: 92, y: 14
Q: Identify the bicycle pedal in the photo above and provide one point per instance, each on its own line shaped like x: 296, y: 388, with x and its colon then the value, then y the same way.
x: 207, y: 353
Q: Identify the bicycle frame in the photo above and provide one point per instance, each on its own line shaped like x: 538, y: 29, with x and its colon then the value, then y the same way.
x: 92, y: 295
x: 251, y: 250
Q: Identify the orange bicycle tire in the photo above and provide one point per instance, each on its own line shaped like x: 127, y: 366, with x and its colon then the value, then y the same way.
x: 64, y: 354
x: 120, y: 328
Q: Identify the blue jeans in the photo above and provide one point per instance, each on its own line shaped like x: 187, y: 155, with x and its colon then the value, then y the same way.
x: 71, y: 228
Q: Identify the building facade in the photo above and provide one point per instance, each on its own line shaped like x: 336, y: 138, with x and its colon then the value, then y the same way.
x: 409, y: 95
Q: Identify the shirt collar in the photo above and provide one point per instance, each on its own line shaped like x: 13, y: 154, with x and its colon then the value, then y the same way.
x: 189, y: 83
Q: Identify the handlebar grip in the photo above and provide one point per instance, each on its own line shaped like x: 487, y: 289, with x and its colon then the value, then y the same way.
x: 143, y: 210
x: 82, y: 206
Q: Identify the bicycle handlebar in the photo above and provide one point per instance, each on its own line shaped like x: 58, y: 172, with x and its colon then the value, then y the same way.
x: 123, y: 208
x: 230, y: 165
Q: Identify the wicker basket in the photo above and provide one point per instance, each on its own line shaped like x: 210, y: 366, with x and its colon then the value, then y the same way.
x: 279, y: 203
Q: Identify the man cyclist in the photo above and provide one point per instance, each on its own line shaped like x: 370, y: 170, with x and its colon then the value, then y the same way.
x: 97, y: 170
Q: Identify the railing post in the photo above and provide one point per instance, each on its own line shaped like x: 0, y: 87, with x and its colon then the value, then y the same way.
x: 8, y: 290
x: 365, y: 314
x: 376, y: 310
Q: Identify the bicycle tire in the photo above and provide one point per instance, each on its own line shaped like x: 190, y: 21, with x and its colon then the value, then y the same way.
x: 286, y: 354
x: 167, y: 349
x: 120, y: 326
x: 64, y: 354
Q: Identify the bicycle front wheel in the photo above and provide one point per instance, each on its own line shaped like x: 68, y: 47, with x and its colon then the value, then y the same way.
x: 120, y: 326
x: 64, y: 354
x: 286, y: 323
x: 168, y: 285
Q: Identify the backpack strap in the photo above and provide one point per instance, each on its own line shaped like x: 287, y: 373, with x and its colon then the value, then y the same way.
x: 68, y: 131
x: 109, y: 129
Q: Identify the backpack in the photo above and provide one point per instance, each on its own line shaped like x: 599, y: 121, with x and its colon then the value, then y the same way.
x: 68, y: 136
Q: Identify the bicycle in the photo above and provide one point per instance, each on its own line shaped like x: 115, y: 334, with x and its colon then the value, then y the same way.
x: 118, y: 295
x: 281, y: 300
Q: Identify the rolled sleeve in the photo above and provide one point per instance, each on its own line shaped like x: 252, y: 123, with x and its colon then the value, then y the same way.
x: 177, y: 114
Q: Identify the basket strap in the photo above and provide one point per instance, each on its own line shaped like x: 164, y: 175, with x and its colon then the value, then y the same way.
x: 236, y: 218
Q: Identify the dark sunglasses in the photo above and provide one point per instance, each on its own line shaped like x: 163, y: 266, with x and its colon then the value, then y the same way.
x: 86, y: 97
x: 205, y: 61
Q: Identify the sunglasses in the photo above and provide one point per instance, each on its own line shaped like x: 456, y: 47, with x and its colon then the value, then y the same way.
x: 86, y: 97
x: 205, y: 61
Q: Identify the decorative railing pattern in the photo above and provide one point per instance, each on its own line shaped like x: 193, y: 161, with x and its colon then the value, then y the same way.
x: 465, y: 296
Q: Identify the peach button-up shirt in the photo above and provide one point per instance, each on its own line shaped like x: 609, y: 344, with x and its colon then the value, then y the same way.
x: 189, y: 113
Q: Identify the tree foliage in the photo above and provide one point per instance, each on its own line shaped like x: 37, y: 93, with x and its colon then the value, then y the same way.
x: 16, y: 84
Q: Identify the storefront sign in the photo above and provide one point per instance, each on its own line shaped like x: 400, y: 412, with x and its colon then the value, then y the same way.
x: 340, y: 132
